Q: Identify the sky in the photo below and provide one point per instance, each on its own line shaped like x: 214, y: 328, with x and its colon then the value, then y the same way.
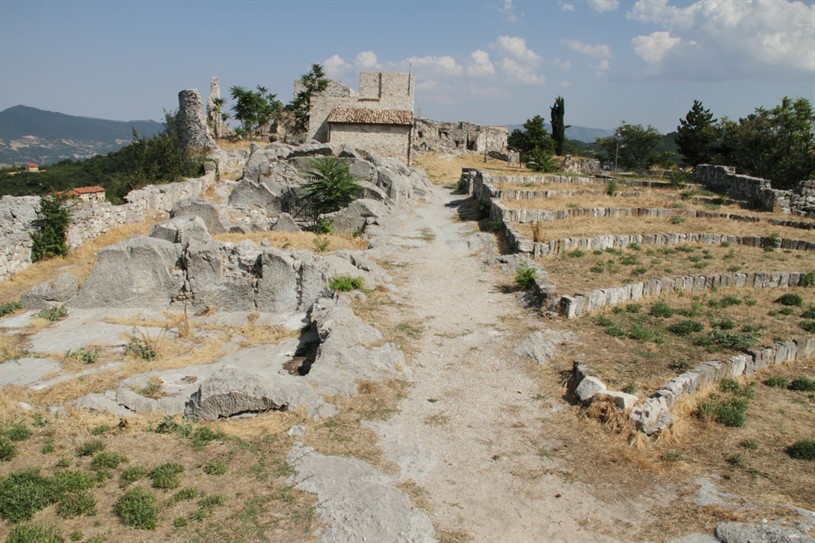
x: 488, y: 62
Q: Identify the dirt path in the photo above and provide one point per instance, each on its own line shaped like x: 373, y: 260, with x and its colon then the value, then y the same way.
x: 472, y: 430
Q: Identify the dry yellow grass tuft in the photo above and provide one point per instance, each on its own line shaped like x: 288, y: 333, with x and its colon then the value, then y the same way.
x: 444, y: 168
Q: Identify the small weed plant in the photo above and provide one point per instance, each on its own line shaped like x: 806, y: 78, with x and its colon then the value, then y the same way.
x: 346, y: 283
x: 525, y: 276
x: 137, y: 508
x: 140, y: 345
x: 9, y: 307
x: 52, y: 314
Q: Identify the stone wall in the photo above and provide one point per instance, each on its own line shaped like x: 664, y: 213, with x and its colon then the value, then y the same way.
x: 442, y: 136
x: 381, y: 140
x: 88, y: 219
x: 193, y: 131
x: 576, y: 306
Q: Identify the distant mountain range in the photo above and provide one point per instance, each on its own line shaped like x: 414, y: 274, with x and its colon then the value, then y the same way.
x: 29, y: 134
x: 577, y: 133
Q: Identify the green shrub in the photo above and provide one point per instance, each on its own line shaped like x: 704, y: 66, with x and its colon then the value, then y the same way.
x: 525, y: 276
x: 674, y: 456
x: 749, y: 444
x: 18, y: 432
x: 106, y: 460
x: 334, y: 186
x: 34, y: 533
x: 50, y: 228
x: 184, y: 494
x: 790, y: 299
x: 165, y: 476
x: 633, y: 308
x: 576, y: 253
x: 65, y: 480
x: 23, y: 493
x: 131, y: 475
x: 803, y: 384
x: 629, y: 260
x: 180, y: 522
x: 676, y: 219
x: 86, y: 356
x: 686, y: 327
x: 680, y: 365
x: 89, y: 448
x: 776, y: 382
x: 137, y: 508
x: 723, y: 324
x: 786, y: 311
x: 76, y: 504
x: 141, y: 346
x: 215, y: 467
x: 9, y: 307
x: 346, y: 283
x: 52, y: 314
x: 611, y: 187
x: 204, y: 435
x: 662, y: 310
x: 728, y: 301
x: 808, y: 280
x: 809, y: 325
x: 803, y: 449
x: 323, y: 226
x: 809, y: 313
x: 731, y: 412
x: 538, y: 160
x: 642, y: 333
x: 728, y: 340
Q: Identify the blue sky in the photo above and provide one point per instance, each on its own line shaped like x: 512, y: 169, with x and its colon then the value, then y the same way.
x: 489, y: 62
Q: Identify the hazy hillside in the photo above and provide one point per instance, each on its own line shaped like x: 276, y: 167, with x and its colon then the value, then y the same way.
x: 29, y: 134
x: 577, y: 133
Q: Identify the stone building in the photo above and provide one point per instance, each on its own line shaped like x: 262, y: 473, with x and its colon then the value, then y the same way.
x: 88, y: 194
x: 378, y: 118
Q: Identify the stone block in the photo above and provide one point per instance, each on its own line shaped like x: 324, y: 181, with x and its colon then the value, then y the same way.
x: 588, y: 387
x: 651, y: 416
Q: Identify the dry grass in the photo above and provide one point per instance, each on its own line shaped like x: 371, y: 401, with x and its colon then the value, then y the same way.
x: 79, y: 262
x: 646, y: 364
x: 579, y: 227
x: 238, y: 145
x: 581, y: 270
x: 297, y: 240
x: 443, y: 168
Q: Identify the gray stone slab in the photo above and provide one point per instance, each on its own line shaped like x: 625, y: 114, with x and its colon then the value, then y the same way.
x: 26, y: 371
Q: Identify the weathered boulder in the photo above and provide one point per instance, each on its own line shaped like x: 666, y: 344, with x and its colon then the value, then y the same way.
x: 285, y: 223
x: 740, y: 532
x: 277, y: 282
x: 312, y: 148
x: 138, y: 272
x: 357, y: 216
x: 181, y: 230
x: 588, y: 387
x: 232, y: 391
x: 201, y: 208
x: 220, y: 275
x: 652, y: 416
x: 52, y: 293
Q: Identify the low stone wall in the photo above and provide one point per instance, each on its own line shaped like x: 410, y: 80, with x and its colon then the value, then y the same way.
x: 576, y: 306
x: 559, y: 246
x: 800, y: 201
x: 88, y: 219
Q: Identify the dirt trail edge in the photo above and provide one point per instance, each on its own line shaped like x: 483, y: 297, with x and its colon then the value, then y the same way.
x: 471, y: 432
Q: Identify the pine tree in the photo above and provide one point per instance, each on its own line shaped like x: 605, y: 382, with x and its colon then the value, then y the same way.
x: 696, y: 135
x: 558, y: 127
x: 313, y: 82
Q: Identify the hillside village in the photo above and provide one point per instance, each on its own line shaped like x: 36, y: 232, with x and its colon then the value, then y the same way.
x: 388, y: 328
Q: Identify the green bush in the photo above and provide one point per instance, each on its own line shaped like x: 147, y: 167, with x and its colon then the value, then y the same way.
x: 642, y: 333
x: 142, y: 347
x: 539, y: 160
x: 731, y: 412
x: 611, y: 187
x: 809, y: 325
x: 776, y: 382
x: 76, y: 504
x: 808, y: 280
x: 728, y: 340
x: 321, y: 244
x: 165, y: 476
x: 89, y: 448
x: 50, y: 228
x: 215, y: 467
x: 204, y: 435
x: 18, y: 432
x: 674, y: 456
x: 323, y: 226
x: 686, y: 327
x: 131, y: 475
x: 809, y: 313
x: 803, y: 384
x: 65, y: 480
x: 137, y: 508
x: 106, y: 460
x: 52, y: 314
x: 86, y: 356
x: 749, y: 444
x: 23, y: 493
x: 790, y: 299
x: 9, y: 307
x: 803, y: 449
x: 34, y: 533
x: 346, y: 283
x: 525, y: 276
x: 333, y: 188
x: 661, y: 309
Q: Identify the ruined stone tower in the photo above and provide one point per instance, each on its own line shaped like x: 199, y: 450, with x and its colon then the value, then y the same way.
x: 191, y: 123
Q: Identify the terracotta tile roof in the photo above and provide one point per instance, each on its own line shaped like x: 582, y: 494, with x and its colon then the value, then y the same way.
x: 88, y: 190
x: 361, y: 115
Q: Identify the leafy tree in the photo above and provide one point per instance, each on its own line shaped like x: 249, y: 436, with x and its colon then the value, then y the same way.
x: 632, y: 146
x: 532, y: 136
x: 255, y: 109
x: 333, y: 188
x: 696, y: 135
x: 557, y: 112
x: 51, y: 228
x: 776, y: 144
x: 313, y: 82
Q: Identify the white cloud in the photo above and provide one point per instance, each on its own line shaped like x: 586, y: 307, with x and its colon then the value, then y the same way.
x: 595, y: 51
x: 565, y: 85
x: 564, y: 65
x: 366, y: 60
x: 654, y: 47
x: 335, y: 67
x: 514, y: 46
x: 565, y: 6
x: 600, y: 67
x: 441, y: 65
x: 516, y: 72
x: 724, y: 39
x: 506, y: 9
x: 490, y: 92
x: 481, y: 66
x: 517, y: 62
x: 603, y: 5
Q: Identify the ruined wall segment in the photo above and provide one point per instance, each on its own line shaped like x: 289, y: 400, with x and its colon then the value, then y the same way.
x: 191, y: 123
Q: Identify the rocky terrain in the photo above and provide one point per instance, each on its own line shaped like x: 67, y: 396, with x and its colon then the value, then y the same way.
x: 422, y: 403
